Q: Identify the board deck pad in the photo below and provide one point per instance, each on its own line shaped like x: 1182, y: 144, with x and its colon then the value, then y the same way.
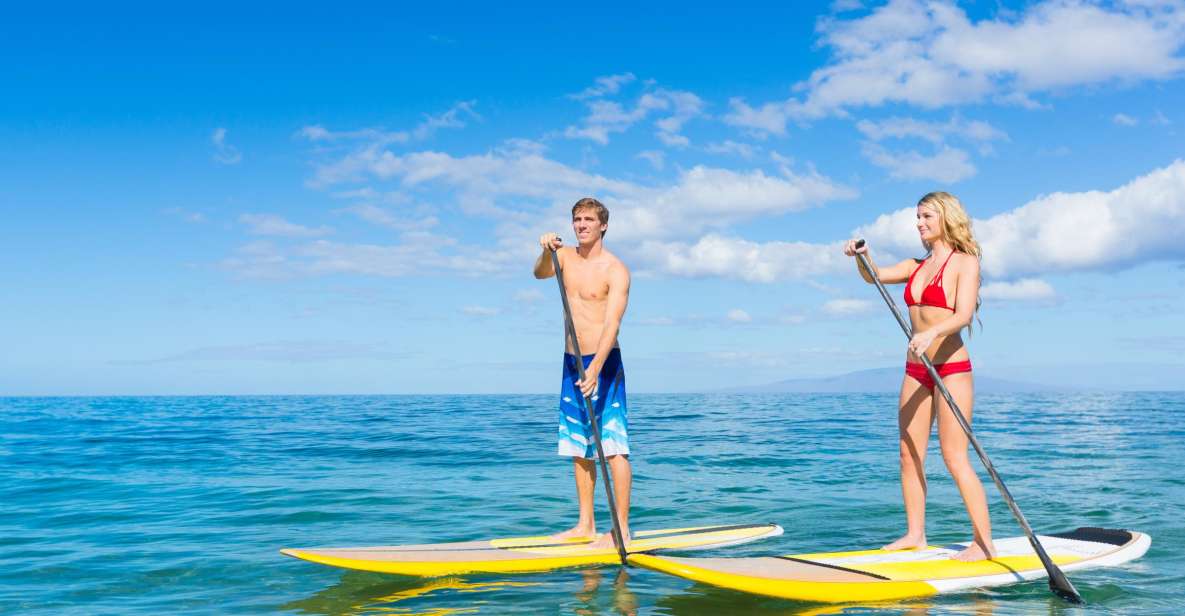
x: 878, y: 575
x: 521, y: 554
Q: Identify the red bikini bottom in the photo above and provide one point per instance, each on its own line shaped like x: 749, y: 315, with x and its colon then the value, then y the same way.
x: 918, y: 370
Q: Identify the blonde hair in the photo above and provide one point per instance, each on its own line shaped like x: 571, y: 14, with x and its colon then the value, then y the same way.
x: 956, y: 230
x: 956, y: 224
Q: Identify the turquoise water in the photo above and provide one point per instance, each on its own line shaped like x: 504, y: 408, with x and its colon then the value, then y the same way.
x: 152, y: 505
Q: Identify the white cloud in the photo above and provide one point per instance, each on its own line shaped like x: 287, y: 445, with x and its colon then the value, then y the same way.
x: 382, y: 217
x: 742, y: 150
x: 317, y: 133
x: 702, y: 197
x: 934, y: 132
x: 736, y: 315
x: 656, y: 158
x: 609, y: 84
x: 224, y: 152
x: 529, y: 296
x: 453, y: 118
x: 480, y: 311
x: 930, y: 54
x: 1026, y: 289
x: 1140, y: 221
x: 270, y: 224
x: 725, y: 257
x: 769, y: 118
x: 1093, y: 230
x: 847, y: 307
x: 607, y: 117
x: 948, y: 165
x: 295, y: 351
x: 1123, y: 119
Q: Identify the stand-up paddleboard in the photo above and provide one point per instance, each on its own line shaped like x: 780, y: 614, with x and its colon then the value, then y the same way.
x: 878, y: 575
x: 524, y: 553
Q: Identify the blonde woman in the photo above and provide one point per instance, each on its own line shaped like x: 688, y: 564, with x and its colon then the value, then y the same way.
x: 942, y: 293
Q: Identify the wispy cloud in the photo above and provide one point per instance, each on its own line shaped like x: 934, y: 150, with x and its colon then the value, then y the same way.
x: 1024, y: 290
x: 847, y: 307
x: 604, y: 86
x: 1123, y: 119
x: 270, y: 224
x: 736, y: 315
x: 289, y: 351
x: 224, y: 152
x: 947, y: 165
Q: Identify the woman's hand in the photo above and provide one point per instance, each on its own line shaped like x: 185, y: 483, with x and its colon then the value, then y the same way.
x: 851, y: 250
x: 920, y: 342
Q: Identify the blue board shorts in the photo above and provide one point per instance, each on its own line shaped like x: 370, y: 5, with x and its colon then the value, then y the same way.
x: 575, y: 435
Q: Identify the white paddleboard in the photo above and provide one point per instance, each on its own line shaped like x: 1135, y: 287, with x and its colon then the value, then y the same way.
x: 878, y: 575
x: 523, y: 553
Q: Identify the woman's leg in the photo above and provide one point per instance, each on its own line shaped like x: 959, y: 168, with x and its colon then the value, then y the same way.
x: 915, y: 418
x: 954, y: 452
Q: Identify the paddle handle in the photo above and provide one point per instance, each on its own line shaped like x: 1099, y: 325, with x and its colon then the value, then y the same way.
x: 570, y: 333
x: 1058, y: 582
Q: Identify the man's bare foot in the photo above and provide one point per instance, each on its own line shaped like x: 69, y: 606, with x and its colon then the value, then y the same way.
x: 907, y: 542
x: 576, y: 532
x: 975, y: 552
x: 605, y: 542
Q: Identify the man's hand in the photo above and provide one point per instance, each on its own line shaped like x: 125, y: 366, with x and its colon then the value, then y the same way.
x: 588, y: 387
x: 550, y: 241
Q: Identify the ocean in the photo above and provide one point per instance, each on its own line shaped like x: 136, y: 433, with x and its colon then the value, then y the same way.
x: 179, y: 505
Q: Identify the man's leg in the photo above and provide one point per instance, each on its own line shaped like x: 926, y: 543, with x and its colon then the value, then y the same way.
x: 586, y: 482
x: 619, y: 467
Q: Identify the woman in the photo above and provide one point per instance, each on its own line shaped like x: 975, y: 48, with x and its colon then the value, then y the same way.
x: 942, y: 293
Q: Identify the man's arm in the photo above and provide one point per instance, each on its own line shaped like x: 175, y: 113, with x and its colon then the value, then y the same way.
x: 543, y: 265
x: 615, y: 303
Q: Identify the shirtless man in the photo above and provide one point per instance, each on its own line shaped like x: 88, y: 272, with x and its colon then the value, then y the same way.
x: 598, y: 285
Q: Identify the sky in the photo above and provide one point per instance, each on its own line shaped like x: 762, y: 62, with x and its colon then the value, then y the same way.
x: 339, y: 199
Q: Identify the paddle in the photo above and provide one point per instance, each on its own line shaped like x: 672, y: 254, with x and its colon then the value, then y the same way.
x: 1058, y: 582
x: 570, y: 331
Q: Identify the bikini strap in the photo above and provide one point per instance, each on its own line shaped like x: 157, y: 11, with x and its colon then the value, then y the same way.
x: 938, y: 277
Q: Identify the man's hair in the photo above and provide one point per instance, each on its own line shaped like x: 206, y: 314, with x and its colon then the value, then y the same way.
x: 588, y: 203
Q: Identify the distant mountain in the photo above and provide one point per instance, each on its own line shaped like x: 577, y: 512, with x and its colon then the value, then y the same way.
x: 880, y: 380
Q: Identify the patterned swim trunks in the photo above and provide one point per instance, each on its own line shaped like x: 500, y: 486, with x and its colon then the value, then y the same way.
x: 575, y: 434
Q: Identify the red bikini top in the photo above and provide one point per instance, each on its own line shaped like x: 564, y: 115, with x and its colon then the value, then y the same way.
x: 933, y: 295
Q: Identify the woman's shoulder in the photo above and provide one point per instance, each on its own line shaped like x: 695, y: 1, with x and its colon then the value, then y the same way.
x: 965, y: 262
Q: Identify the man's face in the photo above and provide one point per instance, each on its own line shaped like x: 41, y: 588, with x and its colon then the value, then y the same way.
x: 587, y: 226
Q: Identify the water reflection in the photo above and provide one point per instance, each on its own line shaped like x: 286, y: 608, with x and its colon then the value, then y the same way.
x: 621, y: 600
x: 364, y: 593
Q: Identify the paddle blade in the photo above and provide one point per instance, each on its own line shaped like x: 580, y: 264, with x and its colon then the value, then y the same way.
x: 1061, y: 586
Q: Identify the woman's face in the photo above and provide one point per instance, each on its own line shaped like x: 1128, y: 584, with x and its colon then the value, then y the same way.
x: 929, y: 224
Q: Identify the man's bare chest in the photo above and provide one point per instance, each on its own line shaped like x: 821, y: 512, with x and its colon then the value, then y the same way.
x: 589, y: 282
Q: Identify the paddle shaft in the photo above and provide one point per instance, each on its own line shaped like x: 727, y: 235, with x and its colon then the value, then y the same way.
x: 1058, y: 582
x: 570, y: 329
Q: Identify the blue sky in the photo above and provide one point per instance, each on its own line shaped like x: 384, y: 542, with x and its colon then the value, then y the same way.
x: 347, y: 199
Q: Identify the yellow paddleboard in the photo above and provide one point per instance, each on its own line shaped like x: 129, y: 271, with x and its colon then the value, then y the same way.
x: 523, y: 553
x: 878, y: 575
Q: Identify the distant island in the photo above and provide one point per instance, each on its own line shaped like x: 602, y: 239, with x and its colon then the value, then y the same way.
x: 881, y: 380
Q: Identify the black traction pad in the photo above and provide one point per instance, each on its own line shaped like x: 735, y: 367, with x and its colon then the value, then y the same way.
x: 1097, y: 535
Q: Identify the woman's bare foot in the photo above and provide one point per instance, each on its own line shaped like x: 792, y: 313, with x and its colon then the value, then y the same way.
x: 975, y: 552
x: 605, y: 542
x: 576, y: 532
x: 907, y: 542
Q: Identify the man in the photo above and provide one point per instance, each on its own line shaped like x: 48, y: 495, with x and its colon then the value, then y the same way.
x: 597, y: 284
